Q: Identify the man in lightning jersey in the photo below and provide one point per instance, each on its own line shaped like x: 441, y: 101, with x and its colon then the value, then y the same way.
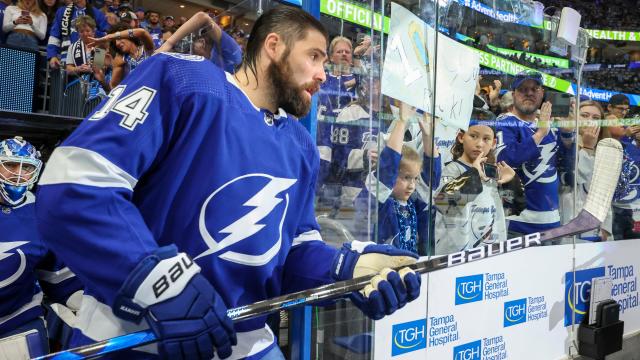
x: 626, y: 208
x: 27, y: 267
x: 193, y: 190
x: 530, y: 147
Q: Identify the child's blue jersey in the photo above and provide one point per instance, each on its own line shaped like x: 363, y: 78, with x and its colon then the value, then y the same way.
x: 535, y: 164
x: 26, y: 268
x: 179, y: 155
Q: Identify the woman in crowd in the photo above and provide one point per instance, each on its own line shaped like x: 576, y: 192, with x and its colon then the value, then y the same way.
x: 25, y: 23
x: 132, y: 46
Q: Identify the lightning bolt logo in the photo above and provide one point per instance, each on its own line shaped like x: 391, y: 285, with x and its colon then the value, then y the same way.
x: 263, y: 202
x: 547, y: 151
x: 5, y: 247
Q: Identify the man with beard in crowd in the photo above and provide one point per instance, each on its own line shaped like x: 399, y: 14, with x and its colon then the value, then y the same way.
x: 193, y: 188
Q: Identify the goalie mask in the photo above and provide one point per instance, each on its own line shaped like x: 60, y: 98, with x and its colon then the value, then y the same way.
x: 19, y: 169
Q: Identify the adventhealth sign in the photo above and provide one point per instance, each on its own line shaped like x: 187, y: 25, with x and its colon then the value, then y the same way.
x: 615, y: 35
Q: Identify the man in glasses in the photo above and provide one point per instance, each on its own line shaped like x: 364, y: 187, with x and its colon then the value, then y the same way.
x: 617, y: 111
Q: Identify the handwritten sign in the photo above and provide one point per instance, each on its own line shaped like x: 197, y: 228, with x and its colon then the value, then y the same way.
x: 408, y: 69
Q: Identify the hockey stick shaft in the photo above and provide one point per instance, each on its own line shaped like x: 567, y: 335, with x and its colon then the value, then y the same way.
x: 342, y: 288
x: 604, y: 179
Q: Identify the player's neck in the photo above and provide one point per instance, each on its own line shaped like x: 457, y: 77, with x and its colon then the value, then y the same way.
x: 257, y: 88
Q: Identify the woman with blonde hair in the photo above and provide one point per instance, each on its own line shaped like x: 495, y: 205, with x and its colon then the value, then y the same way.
x: 25, y: 23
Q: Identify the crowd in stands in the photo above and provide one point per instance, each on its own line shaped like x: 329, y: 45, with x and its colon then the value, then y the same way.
x: 603, y: 14
x: 99, y: 42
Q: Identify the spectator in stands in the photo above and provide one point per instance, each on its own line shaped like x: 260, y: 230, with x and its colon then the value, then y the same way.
x: 181, y: 21
x: 25, y: 24
x: 124, y: 7
x: 340, y: 87
x: 223, y: 49
x: 78, y: 60
x: 168, y: 22
x: 108, y: 7
x: 3, y: 6
x: 528, y: 144
x: 506, y: 102
x: 140, y: 13
x: 132, y: 47
x: 616, y: 111
x: 153, y: 27
x: 49, y: 8
x: 64, y: 33
x: 112, y: 19
x: 129, y: 18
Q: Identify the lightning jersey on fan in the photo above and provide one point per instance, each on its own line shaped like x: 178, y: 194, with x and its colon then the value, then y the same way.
x: 179, y: 155
x: 463, y: 223
x: 535, y: 164
x: 27, y: 268
x: 342, y: 145
x: 334, y: 94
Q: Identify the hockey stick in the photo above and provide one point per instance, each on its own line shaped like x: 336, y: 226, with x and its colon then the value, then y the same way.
x: 603, y: 183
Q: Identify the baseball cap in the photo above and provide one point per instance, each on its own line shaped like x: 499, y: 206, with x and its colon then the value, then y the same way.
x: 141, y: 9
x: 128, y: 16
x: 524, y: 76
x: 168, y: 17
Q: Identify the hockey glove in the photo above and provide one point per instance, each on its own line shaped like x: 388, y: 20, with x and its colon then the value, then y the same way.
x: 180, y: 305
x: 387, y: 291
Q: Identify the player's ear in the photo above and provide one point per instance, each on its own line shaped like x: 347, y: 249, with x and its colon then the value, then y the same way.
x: 272, y: 44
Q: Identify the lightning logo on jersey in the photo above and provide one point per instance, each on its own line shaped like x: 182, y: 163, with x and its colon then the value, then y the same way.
x: 5, y: 252
x: 547, y: 151
x: 267, y: 214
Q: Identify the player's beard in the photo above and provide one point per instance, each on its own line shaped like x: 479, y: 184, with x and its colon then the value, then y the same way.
x: 289, y: 96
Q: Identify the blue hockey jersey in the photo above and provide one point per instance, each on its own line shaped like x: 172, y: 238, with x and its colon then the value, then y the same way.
x: 535, y: 164
x: 334, y: 94
x: 179, y: 155
x: 27, y: 268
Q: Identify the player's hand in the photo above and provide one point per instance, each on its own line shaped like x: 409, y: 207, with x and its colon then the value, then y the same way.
x: 181, y: 307
x: 389, y: 290
x: 505, y: 172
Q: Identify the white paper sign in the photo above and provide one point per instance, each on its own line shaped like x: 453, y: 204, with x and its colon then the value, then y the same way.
x: 408, y: 69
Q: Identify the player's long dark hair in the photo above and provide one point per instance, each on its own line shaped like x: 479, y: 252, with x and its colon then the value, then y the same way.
x: 291, y: 23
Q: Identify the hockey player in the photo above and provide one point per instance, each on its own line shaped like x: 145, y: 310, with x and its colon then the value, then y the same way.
x: 193, y: 190
x: 26, y: 266
x: 529, y: 145
x: 469, y: 207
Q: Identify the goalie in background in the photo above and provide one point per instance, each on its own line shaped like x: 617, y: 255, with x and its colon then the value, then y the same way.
x: 27, y: 267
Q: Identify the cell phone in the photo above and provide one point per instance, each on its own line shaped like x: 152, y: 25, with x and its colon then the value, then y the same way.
x: 98, y: 57
x: 491, y: 171
x: 561, y: 103
x: 25, y: 13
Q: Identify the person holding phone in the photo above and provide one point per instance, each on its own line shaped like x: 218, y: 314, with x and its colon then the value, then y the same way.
x: 469, y: 208
x: 25, y: 24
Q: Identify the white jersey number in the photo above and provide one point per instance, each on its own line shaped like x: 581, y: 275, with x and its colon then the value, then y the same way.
x: 132, y: 107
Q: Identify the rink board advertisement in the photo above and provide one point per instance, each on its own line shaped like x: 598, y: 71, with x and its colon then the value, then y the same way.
x: 516, y: 306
